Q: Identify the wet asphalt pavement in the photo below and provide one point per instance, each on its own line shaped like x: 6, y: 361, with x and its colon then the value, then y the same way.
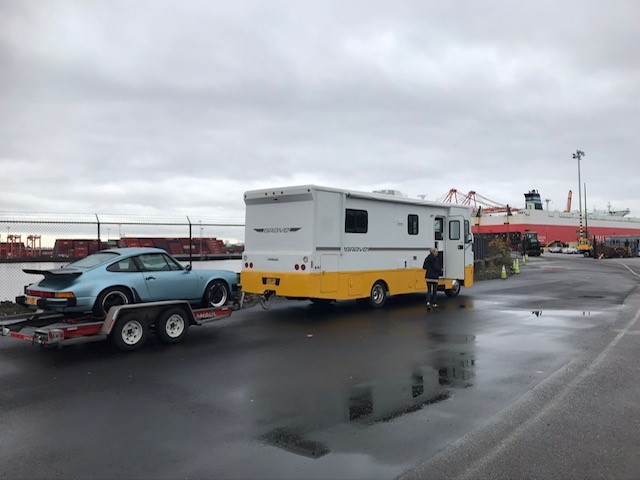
x: 533, y: 377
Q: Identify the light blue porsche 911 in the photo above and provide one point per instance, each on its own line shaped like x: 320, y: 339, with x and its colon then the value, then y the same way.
x: 119, y: 276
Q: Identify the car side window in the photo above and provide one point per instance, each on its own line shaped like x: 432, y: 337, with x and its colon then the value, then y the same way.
x: 126, y: 265
x: 154, y: 262
x: 173, y: 265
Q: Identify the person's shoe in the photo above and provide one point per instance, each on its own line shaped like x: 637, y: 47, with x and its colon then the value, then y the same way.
x: 434, y: 304
x: 428, y: 304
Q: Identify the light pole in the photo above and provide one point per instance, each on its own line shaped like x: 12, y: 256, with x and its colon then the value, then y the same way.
x: 578, y: 156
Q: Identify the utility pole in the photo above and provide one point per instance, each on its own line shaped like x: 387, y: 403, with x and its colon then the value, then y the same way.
x: 578, y: 156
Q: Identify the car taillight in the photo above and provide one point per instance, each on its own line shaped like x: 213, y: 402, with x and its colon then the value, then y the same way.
x: 65, y: 295
x: 35, y: 293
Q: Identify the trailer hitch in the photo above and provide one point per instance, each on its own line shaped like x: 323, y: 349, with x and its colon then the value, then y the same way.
x: 266, y: 299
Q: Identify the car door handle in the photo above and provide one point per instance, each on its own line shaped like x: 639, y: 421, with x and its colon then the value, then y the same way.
x: 150, y: 278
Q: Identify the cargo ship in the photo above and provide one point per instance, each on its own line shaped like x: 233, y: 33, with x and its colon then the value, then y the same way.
x: 555, y: 225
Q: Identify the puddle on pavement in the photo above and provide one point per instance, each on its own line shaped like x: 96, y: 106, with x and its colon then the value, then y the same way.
x: 563, y: 313
x: 368, y: 403
x: 294, y: 442
x: 555, y: 318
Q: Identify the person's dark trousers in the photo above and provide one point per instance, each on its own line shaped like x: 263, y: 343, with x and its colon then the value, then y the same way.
x: 432, y: 291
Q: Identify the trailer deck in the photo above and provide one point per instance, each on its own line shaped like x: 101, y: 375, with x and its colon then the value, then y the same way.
x: 128, y: 326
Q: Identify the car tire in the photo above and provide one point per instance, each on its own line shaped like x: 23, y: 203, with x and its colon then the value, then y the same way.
x: 172, y: 325
x: 109, y: 298
x: 378, y: 295
x: 129, y: 332
x: 216, y: 295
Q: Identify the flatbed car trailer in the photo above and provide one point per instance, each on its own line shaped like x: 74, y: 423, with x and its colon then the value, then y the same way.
x: 127, y: 326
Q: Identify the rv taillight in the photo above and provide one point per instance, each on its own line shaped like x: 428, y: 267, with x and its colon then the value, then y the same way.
x: 303, y: 267
x: 251, y: 265
x: 246, y: 264
x: 297, y: 267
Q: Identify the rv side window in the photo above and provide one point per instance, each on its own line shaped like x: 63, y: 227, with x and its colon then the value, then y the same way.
x: 439, y: 227
x: 454, y: 230
x: 356, y: 221
x: 412, y: 225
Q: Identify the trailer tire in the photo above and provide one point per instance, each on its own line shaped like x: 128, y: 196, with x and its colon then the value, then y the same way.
x: 129, y: 332
x: 172, y: 325
x: 216, y: 295
x: 454, y: 290
x: 378, y: 295
x: 111, y: 297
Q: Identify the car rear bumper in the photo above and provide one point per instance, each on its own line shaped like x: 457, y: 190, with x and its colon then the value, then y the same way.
x: 46, y: 303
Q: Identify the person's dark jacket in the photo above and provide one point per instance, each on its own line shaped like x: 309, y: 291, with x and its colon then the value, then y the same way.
x: 432, y: 267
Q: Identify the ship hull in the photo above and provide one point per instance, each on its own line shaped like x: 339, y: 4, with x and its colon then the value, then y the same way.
x: 554, y: 225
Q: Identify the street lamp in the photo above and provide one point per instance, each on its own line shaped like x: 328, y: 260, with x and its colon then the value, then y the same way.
x: 578, y: 156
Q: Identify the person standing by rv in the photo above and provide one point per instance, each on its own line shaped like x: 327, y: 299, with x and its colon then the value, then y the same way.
x: 432, y: 273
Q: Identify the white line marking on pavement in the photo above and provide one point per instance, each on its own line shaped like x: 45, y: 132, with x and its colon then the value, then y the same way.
x: 627, y: 267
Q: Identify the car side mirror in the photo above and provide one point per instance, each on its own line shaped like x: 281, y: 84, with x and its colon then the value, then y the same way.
x: 189, y: 268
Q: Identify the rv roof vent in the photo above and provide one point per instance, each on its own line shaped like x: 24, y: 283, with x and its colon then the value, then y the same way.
x: 395, y: 193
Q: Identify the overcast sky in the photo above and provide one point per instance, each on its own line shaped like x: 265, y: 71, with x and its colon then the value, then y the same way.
x: 180, y: 106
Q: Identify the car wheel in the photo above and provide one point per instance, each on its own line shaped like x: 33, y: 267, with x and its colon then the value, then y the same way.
x: 454, y: 290
x: 129, y: 332
x: 216, y: 295
x: 172, y: 325
x: 378, y: 295
x: 110, y: 298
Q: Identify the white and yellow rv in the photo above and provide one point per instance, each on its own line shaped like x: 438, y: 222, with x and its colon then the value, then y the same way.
x: 323, y: 244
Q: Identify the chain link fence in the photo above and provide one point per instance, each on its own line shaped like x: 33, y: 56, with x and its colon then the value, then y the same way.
x: 52, y: 240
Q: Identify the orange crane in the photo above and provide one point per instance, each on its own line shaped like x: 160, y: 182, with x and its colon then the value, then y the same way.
x: 477, y: 201
x: 568, y: 209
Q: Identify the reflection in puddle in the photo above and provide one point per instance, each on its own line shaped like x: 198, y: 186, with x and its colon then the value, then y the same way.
x: 329, y: 397
x: 376, y: 402
x: 458, y: 375
x: 294, y: 442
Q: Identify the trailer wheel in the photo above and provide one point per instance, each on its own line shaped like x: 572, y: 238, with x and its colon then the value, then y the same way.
x: 454, y: 290
x: 216, y: 295
x: 110, y: 298
x: 378, y: 295
x: 172, y: 325
x: 129, y: 332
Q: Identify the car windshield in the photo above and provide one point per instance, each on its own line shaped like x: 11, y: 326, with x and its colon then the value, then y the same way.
x: 93, y: 260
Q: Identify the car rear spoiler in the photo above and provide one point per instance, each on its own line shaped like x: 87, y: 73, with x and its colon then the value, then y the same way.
x: 54, y: 272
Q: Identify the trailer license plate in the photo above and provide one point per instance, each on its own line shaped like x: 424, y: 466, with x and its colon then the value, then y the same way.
x: 272, y: 281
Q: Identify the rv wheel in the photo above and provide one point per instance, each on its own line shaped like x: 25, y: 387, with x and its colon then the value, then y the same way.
x: 454, y: 290
x: 378, y: 295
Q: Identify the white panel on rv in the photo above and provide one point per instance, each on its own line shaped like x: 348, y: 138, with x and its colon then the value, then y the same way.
x: 328, y: 219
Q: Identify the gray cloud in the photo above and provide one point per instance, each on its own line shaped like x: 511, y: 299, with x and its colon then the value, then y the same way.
x: 148, y: 107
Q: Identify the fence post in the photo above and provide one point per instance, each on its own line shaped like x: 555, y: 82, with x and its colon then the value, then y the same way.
x: 190, y: 245
x: 99, y: 241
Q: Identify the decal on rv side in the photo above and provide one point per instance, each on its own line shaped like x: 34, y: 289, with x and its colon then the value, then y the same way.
x: 277, y: 229
x: 356, y: 249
